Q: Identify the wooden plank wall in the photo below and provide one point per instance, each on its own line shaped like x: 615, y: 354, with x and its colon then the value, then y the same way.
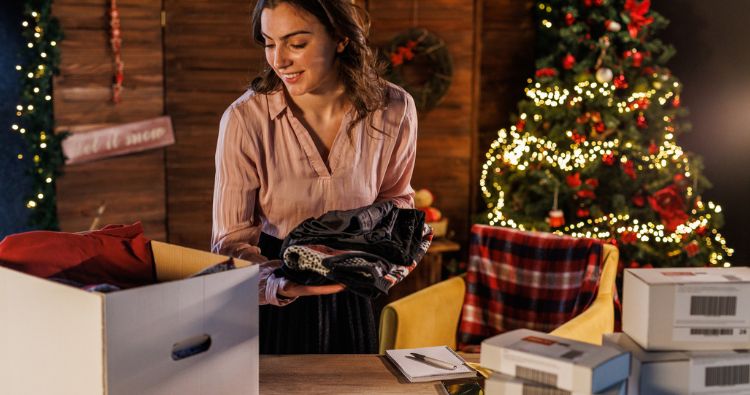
x: 210, y: 60
x: 444, y: 147
x: 131, y: 186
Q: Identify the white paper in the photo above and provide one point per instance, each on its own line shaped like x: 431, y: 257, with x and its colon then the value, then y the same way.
x: 416, y: 369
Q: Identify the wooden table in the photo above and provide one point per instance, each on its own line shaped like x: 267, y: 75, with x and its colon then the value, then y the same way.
x: 338, y: 374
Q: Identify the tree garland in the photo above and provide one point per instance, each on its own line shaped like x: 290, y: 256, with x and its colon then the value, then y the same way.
x: 410, y: 46
x: 40, y: 60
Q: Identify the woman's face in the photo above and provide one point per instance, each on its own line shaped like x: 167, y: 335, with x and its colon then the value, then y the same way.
x: 300, y: 50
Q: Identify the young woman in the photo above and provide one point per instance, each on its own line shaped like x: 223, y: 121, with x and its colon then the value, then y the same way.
x: 319, y: 130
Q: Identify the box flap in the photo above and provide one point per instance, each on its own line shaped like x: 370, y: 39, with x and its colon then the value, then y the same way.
x: 47, y: 326
x: 680, y: 275
x: 175, y: 262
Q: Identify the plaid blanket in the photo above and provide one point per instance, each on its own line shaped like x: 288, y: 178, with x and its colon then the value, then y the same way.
x: 531, y: 280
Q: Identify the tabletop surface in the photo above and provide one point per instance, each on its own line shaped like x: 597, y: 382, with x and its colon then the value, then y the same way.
x: 337, y: 374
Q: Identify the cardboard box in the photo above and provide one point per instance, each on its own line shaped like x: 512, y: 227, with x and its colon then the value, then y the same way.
x: 501, y: 384
x: 562, y: 363
x: 687, y: 308
x: 683, y: 372
x: 57, y: 339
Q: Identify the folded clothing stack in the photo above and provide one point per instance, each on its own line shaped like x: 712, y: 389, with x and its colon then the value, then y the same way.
x: 368, y: 249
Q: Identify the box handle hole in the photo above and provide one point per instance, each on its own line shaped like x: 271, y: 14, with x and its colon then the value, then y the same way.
x: 191, y: 346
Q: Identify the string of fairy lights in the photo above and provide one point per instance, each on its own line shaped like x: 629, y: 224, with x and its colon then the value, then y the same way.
x: 34, y: 113
x: 521, y: 150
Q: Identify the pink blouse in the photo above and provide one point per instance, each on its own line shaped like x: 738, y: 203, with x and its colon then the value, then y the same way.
x: 270, y: 176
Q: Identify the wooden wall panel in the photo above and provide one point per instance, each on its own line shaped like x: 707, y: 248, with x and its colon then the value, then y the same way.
x: 444, y: 148
x: 132, y: 186
x: 210, y: 61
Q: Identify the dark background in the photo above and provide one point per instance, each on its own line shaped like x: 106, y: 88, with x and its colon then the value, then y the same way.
x: 712, y: 61
x: 13, y: 181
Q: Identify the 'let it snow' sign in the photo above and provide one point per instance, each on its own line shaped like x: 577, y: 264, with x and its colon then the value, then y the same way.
x: 118, y: 140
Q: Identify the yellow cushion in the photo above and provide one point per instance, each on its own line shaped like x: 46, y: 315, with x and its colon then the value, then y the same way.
x: 599, y: 318
x: 428, y: 317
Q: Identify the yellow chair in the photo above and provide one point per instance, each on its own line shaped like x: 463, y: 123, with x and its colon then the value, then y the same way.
x: 430, y: 317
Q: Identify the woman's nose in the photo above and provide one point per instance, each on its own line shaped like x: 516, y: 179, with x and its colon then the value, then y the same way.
x: 280, y: 59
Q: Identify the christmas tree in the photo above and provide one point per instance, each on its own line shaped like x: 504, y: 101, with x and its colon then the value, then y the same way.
x: 593, y: 151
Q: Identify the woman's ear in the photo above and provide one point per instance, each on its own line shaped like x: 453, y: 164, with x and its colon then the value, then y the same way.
x: 342, y: 45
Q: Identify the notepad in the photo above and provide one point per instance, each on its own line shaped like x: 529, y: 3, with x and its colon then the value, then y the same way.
x: 418, y: 372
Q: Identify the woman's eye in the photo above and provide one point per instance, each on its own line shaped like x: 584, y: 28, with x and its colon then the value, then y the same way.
x: 269, y: 45
x: 299, y: 46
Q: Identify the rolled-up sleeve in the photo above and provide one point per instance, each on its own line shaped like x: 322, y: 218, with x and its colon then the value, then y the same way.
x: 236, y: 226
x: 396, y: 184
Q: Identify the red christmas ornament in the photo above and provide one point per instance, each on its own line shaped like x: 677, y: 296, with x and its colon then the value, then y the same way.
x: 669, y: 203
x: 620, y: 82
x: 647, y: 70
x: 638, y: 200
x: 701, y: 231
x: 608, y: 159
x: 629, y: 237
x: 629, y: 169
x: 573, y: 180
x: 641, y: 122
x: 521, y: 124
x: 653, y: 148
x: 577, y: 138
x: 556, y: 218
x: 546, y: 72
x: 600, y: 127
x: 647, y: 266
x: 692, y: 248
x: 676, y: 102
x: 568, y: 62
x: 569, y: 19
x: 637, y: 12
x: 583, y: 212
x: 634, y: 265
x: 592, y: 182
x: 586, y: 194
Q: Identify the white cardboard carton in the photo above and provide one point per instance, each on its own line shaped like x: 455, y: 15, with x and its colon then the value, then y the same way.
x: 57, y: 339
x: 683, y: 372
x: 562, y: 363
x: 501, y: 384
x: 687, y: 308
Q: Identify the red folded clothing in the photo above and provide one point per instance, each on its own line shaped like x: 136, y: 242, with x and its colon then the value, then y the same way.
x: 119, y: 255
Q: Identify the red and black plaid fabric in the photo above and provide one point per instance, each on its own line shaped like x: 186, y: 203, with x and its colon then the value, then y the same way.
x: 531, y: 280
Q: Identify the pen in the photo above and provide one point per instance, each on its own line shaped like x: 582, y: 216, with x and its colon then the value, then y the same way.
x: 433, y: 361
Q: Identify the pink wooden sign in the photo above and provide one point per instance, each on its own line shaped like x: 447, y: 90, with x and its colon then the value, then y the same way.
x: 118, y: 140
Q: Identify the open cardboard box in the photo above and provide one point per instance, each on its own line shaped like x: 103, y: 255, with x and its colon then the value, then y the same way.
x: 180, y: 336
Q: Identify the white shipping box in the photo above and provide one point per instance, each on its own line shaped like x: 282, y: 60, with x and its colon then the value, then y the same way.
x: 684, y: 372
x: 554, y: 361
x: 501, y: 384
x: 57, y: 339
x: 687, y: 308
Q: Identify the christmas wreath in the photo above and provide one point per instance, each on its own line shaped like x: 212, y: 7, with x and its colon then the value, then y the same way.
x: 430, y: 64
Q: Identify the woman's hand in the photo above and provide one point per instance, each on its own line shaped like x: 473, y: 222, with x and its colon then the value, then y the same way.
x: 290, y: 289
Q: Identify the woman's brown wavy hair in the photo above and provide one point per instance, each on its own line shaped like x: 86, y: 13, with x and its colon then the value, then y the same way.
x: 358, y: 65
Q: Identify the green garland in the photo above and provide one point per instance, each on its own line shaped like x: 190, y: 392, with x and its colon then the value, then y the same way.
x: 40, y: 59
x: 414, y: 44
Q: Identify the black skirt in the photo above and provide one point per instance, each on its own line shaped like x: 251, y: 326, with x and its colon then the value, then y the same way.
x: 342, y: 323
